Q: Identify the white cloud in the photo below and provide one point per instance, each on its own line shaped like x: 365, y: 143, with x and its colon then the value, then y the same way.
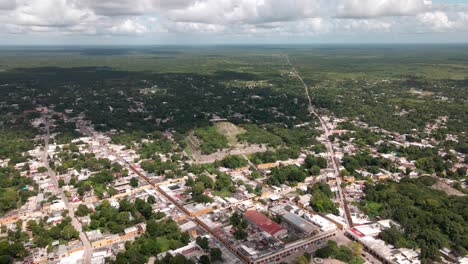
x: 7, y: 4
x: 224, y: 18
x: 463, y: 17
x: 365, y: 25
x: 317, y: 25
x: 245, y: 11
x: 49, y: 13
x: 380, y: 8
x: 304, y: 27
x: 129, y: 26
x: 436, y: 21
x: 194, y: 27
x: 118, y: 7
x: 172, y: 4
x: 279, y: 10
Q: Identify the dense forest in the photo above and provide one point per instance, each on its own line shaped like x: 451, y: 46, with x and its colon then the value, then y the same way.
x: 430, y: 219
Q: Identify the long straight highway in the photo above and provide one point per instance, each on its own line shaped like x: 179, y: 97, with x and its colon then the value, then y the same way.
x: 329, y: 146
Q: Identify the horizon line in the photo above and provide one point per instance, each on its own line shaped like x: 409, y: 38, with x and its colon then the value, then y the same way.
x: 235, y: 44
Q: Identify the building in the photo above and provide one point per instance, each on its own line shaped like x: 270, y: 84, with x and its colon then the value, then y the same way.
x: 367, y: 236
x: 57, y: 205
x: 349, y: 179
x: 129, y: 233
x: 324, y: 224
x: 265, y: 223
x: 198, y: 209
x: 189, y: 251
x: 10, y: 219
x: 266, y: 166
x: 293, y: 247
x: 300, y: 223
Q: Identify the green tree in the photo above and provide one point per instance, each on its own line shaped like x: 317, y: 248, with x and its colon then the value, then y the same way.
x: 321, y: 203
x: 151, y: 199
x: 315, y: 170
x: 122, y: 218
x: 255, y: 175
x: 134, y: 182
x: 69, y: 233
x: 216, y: 254
x: 202, y: 242
x: 240, y: 234
x: 234, y: 161
x: 235, y: 219
x: 82, y: 210
x: 205, y: 259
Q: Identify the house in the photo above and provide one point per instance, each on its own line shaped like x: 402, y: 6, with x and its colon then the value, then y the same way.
x: 266, y: 166
x: 349, y: 179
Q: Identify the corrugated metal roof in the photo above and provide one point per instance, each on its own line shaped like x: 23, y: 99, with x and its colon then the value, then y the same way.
x: 300, y: 222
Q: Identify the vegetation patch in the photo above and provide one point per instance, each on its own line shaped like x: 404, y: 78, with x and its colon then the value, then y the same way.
x: 230, y: 131
x: 210, y: 140
x: 431, y: 219
x: 343, y: 253
x: 234, y: 162
x: 258, y: 135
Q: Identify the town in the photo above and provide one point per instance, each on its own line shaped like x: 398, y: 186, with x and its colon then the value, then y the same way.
x: 94, y: 197
x: 266, y: 161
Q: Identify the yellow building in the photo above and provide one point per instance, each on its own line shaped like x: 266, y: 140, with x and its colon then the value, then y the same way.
x: 349, y: 179
x: 114, y: 239
x: 241, y: 169
x: 9, y: 219
x: 202, y: 211
x: 382, y: 177
x: 265, y: 166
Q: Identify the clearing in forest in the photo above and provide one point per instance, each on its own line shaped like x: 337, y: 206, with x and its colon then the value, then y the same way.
x: 217, y: 142
x: 230, y: 131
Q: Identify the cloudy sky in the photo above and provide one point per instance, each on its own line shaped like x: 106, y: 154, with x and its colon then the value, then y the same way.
x: 28, y: 22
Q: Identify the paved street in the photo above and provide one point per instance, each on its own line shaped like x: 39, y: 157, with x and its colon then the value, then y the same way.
x: 340, y: 238
x: 88, y: 251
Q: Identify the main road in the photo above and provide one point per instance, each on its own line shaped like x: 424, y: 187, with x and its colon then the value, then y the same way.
x: 88, y: 250
x: 329, y: 146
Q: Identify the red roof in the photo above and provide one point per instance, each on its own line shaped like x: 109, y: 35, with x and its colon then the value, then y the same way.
x: 263, y: 222
x: 355, y: 231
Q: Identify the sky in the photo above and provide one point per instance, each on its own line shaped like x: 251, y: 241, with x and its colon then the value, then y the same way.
x: 192, y: 22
